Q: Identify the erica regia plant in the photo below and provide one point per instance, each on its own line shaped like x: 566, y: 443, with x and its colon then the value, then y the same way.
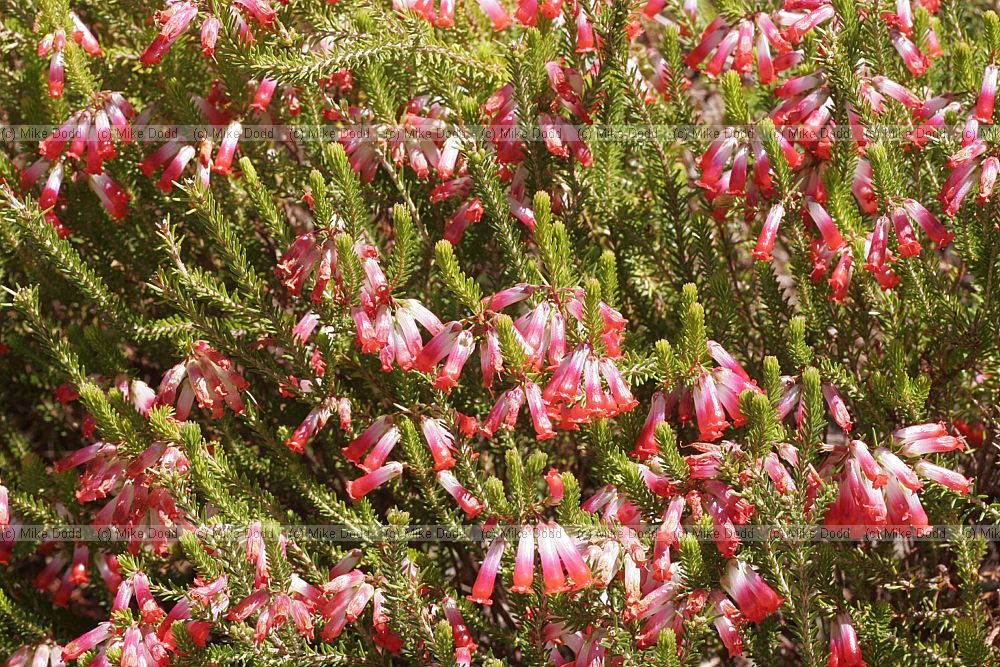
x: 499, y: 332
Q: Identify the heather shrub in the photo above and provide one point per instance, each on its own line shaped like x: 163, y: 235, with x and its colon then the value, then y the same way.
x: 499, y: 333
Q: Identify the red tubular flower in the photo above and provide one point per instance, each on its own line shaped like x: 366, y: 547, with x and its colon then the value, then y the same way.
x: 914, y: 60
x: 931, y: 226
x: 840, y: 280
x: 460, y: 635
x: 262, y: 98
x: 524, y: 561
x: 380, y: 438
x: 358, y: 488
x: 210, y: 35
x: 844, y: 649
x: 482, y: 589
x: 468, y: 502
x: 496, y: 13
x: 4, y: 508
x: 711, y: 417
x: 84, y: 37
x: 87, y: 641
x: 440, y: 441
x: 57, y: 74
x: 259, y: 10
x: 310, y: 426
x: 727, y: 623
x: 987, y: 95
x: 174, y: 20
x: 111, y: 195
x: 754, y: 597
x: 769, y: 233
x: 825, y: 224
x: 227, y: 149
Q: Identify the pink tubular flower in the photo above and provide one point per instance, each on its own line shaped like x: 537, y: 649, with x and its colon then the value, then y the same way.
x: 914, y: 60
x: 482, y: 589
x: 57, y: 74
x: 754, y: 597
x: 87, y: 641
x: 304, y: 328
x: 358, y: 488
x: 844, y: 649
x: 4, y: 508
x: 260, y: 10
x: 727, y: 623
x: 174, y: 20
x: 207, y: 376
x: 943, y: 476
x: 441, y: 443
x: 210, y: 35
x: 262, y: 98
x: 524, y: 561
x: 496, y: 13
x: 84, y: 37
x: 711, y: 417
x: 769, y: 233
x: 381, y: 437
x: 803, y: 24
x: 987, y: 95
x: 310, y: 426
x: 113, y: 198
x: 537, y: 409
x: 931, y: 226
x: 468, y: 502
x: 227, y: 149
x: 825, y: 224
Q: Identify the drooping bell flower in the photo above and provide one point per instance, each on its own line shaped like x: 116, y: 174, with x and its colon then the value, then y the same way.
x: 755, y: 599
x: 358, y: 488
x: 207, y: 376
x: 844, y: 648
